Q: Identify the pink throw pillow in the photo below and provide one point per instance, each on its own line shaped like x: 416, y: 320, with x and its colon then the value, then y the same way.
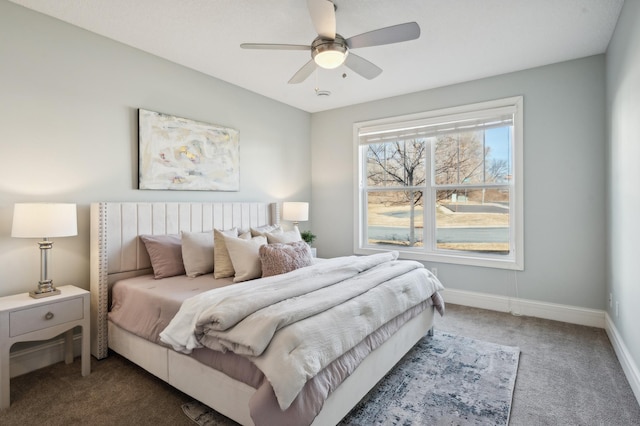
x: 281, y: 258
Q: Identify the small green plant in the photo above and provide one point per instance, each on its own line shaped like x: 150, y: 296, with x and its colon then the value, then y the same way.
x: 308, y: 236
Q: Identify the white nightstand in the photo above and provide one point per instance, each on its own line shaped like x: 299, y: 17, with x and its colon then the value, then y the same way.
x: 23, y: 318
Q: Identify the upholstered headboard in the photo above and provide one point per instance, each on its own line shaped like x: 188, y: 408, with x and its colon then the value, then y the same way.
x: 117, y: 252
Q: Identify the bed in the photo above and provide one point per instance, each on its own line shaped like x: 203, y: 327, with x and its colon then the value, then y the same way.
x: 118, y: 254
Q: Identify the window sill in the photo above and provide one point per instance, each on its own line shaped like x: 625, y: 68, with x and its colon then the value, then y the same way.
x: 458, y: 259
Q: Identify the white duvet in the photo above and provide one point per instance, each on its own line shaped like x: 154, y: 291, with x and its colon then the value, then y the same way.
x: 293, y: 325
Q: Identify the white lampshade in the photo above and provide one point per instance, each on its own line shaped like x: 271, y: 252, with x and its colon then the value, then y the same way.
x: 295, y: 211
x: 330, y: 59
x: 44, y: 220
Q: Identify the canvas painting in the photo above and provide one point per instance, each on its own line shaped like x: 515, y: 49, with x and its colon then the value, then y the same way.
x: 181, y: 154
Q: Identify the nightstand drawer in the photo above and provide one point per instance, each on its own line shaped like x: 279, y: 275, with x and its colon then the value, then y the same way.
x: 45, y: 316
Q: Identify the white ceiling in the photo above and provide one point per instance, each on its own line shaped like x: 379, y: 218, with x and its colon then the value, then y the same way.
x: 461, y: 40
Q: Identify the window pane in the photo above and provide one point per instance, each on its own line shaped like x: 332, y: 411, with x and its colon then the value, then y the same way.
x: 459, y: 158
x: 473, y: 220
x: 395, y: 218
x: 473, y: 157
x: 398, y: 163
x: 498, y: 159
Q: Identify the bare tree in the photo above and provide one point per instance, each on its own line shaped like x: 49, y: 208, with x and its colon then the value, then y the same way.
x: 498, y: 170
x: 459, y: 159
x: 401, y: 163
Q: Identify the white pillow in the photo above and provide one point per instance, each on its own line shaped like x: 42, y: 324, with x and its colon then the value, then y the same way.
x: 245, y: 257
x: 261, y: 230
x: 284, y: 237
x: 222, y: 266
x: 197, y: 252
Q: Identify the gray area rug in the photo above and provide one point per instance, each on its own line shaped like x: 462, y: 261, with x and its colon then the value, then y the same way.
x: 444, y: 380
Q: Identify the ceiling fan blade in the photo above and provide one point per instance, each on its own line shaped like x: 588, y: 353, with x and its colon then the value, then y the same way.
x: 387, y: 35
x: 303, y: 73
x: 363, y: 67
x: 323, y: 16
x: 268, y: 46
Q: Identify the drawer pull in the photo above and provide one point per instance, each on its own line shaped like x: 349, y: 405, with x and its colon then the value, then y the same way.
x: 48, y: 316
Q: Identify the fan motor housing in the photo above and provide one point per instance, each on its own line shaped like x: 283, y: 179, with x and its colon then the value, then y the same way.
x: 322, y: 45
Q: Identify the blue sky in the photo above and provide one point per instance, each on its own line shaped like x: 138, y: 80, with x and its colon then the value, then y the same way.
x: 498, y: 140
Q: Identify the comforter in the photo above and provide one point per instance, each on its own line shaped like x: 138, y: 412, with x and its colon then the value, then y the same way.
x: 286, y: 319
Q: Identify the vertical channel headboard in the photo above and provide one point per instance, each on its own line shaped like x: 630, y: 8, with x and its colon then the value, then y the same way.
x: 118, y: 253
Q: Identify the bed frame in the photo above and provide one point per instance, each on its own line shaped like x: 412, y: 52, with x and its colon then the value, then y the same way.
x: 117, y: 253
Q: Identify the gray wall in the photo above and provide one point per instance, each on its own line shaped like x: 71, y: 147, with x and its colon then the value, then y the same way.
x: 564, y: 179
x: 68, y: 114
x: 623, y: 200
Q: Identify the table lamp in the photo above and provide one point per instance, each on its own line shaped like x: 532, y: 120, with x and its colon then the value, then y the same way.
x: 295, y: 212
x: 44, y: 220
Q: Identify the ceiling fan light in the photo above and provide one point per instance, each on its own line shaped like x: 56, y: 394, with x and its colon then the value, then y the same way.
x: 330, y: 59
x: 328, y: 53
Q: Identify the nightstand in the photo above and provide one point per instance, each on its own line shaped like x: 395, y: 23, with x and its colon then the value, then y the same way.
x: 23, y: 318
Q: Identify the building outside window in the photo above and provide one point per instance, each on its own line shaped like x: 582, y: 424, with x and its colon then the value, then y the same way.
x: 443, y: 186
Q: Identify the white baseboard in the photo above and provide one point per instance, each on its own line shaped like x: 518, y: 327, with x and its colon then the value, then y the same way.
x: 626, y: 360
x: 23, y: 361
x: 557, y: 312
x: 532, y: 308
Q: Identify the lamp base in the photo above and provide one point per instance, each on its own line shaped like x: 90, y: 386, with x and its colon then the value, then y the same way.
x: 38, y: 294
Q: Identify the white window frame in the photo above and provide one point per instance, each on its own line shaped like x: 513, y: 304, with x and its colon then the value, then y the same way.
x: 515, y: 259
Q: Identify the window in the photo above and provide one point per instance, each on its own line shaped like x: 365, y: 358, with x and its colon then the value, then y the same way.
x: 443, y: 186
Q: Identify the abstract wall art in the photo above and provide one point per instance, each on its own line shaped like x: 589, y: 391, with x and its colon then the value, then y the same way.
x: 181, y: 154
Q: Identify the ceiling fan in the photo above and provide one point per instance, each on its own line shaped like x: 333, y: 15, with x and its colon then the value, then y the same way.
x: 330, y: 50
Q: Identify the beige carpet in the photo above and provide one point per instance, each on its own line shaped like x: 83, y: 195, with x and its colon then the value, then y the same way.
x: 568, y: 375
